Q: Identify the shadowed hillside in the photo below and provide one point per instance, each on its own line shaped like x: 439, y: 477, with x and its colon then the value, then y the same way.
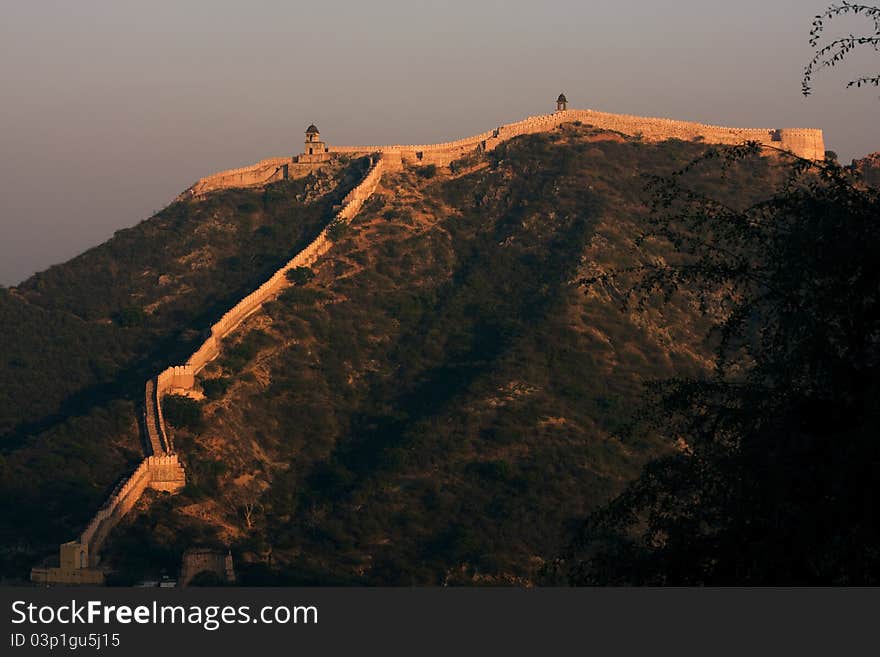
x: 81, y: 337
x: 440, y: 402
x: 436, y: 401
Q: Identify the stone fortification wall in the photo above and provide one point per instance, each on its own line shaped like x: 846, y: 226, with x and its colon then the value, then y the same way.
x: 161, y: 469
x: 154, y: 439
x: 178, y: 376
x: 438, y: 154
x: 181, y: 378
x: 177, y: 379
x: 79, y: 559
x: 805, y: 142
x: 121, y: 500
x: 162, y: 472
x: 808, y: 143
x: 254, y: 175
x: 262, y: 172
x: 210, y: 349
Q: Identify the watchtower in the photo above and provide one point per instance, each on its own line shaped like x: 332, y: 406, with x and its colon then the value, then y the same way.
x: 561, y: 103
x: 315, y: 149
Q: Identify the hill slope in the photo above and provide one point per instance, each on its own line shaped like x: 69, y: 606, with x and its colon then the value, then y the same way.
x: 438, y: 404
x: 81, y: 338
x: 442, y: 401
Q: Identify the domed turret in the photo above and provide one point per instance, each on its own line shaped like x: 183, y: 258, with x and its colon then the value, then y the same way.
x: 561, y: 103
x: 315, y: 149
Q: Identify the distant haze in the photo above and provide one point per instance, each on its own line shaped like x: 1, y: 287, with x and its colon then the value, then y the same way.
x: 110, y: 108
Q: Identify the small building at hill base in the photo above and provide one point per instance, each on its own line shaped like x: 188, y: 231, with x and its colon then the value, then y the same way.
x: 206, y: 564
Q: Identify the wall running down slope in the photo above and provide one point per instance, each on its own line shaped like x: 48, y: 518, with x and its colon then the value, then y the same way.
x: 161, y: 468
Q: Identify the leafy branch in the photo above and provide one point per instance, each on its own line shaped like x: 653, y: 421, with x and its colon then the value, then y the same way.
x: 836, y: 51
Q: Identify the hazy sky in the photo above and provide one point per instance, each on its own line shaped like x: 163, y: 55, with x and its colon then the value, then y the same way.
x: 109, y: 108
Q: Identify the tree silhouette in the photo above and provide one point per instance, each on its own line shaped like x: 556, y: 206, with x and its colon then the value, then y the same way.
x: 771, y: 473
x: 837, y: 50
x: 773, y: 462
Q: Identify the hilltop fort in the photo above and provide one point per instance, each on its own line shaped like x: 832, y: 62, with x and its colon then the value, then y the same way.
x: 161, y: 469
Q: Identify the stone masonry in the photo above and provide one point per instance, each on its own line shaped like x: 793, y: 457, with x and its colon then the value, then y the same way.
x: 804, y: 142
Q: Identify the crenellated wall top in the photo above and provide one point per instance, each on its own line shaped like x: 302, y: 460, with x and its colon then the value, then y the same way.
x: 806, y: 142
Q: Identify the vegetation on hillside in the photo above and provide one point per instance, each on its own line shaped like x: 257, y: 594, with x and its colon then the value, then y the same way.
x: 439, y: 401
x: 80, y: 340
x: 440, y: 404
x: 774, y: 478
